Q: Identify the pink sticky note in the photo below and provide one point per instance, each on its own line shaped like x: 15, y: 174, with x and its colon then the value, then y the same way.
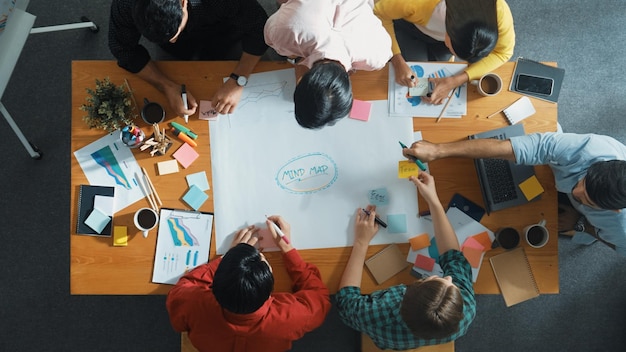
x: 206, y: 111
x: 473, y: 256
x: 483, y: 239
x: 471, y: 242
x: 360, y: 110
x: 186, y: 155
x: 424, y: 262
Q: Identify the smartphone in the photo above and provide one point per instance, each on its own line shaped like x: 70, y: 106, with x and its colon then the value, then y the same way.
x: 534, y: 84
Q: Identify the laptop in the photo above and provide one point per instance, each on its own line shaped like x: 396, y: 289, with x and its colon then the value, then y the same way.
x: 499, y: 179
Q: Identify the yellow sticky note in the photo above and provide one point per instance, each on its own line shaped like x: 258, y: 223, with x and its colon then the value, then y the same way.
x: 420, y: 241
x: 531, y: 187
x: 407, y: 168
x: 120, y: 237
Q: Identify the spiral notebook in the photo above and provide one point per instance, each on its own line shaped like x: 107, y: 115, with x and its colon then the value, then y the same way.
x: 514, y: 276
x: 519, y: 110
x: 386, y: 263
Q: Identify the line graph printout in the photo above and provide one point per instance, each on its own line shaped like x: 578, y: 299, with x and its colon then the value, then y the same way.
x: 400, y: 104
x: 108, y: 162
x: 183, y: 243
x: 266, y: 93
x: 315, y: 179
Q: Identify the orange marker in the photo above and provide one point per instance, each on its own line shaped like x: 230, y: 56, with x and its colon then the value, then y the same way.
x: 183, y: 137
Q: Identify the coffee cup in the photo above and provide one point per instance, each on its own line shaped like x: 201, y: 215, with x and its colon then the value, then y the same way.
x: 537, y: 235
x: 152, y: 112
x: 507, y: 238
x: 146, y: 219
x: 488, y: 85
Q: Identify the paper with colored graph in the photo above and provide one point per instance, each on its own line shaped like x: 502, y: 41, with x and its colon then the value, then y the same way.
x: 183, y: 243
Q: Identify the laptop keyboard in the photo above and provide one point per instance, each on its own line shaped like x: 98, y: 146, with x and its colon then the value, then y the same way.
x: 500, y: 180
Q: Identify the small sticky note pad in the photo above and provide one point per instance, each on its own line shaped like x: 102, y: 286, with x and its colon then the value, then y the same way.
x: 483, y: 239
x: 167, y: 167
x: 396, y: 223
x: 360, y: 110
x: 195, y: 197
x: 97, y: 220
x: 120, y: 236
x: 424, y: 262
x: 207, y: 112
x: 473, y: 243
x: 420, y: 89
x: 407, y: 168
x: 531, y: 187
x: 186, y: 155
x: 473, y: 256
x: 104, y: 204
x: 199, y: 179
x: 378, y: 196
x: 420, y: 241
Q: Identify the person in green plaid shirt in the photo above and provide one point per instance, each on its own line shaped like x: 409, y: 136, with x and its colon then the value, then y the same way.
x: 427, y: 312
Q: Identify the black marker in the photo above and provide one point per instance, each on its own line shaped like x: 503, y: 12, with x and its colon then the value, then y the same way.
x: 376, y: 219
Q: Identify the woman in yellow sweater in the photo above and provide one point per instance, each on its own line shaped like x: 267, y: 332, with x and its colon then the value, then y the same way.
x: 478, y: 31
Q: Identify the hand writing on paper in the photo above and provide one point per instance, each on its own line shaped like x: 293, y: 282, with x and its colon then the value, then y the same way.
x: 246, y: 235
x: 285, y: 246
x: 365, y: 226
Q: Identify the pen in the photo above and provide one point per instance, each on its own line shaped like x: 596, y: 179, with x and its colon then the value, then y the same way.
x: 182, y: 128
x: 183, y: 137
x: 417, y: 161
x: 183, y: 93
x: 376, y: 219
x: 278, y: 230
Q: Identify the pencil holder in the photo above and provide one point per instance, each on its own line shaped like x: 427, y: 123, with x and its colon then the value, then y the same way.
x: 132, y: 136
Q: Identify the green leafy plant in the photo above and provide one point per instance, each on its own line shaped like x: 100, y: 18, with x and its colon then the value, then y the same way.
x: 108, y: 107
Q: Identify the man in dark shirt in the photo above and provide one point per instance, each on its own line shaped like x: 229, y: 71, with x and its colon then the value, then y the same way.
x: 189, y: 29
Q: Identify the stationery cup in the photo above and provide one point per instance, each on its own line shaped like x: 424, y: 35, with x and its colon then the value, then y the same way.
x: 507, y: 238
x: 488, y: 85
x: 152, y: 112
x: 146, y: 219
x: 537, y: 235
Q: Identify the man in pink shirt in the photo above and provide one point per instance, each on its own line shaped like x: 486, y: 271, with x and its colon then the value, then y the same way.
x: 331, y: 38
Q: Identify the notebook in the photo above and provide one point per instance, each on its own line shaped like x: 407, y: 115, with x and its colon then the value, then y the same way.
x: 86, y: 201
x: 529, y: 67
x: 500, y: 179
x: 386, y: 263
x: 519, y: 110
x: 514, y: 276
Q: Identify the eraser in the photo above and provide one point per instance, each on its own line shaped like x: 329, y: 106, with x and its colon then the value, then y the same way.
x: 120, y: 236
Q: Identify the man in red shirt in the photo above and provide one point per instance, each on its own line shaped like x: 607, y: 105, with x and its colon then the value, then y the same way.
x: 228, y: 304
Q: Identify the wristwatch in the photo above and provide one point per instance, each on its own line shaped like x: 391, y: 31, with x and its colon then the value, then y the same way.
x: 241, y: 80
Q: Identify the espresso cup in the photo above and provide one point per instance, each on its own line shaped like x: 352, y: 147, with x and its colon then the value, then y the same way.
x: 537, y: 235
x: 152, y: 112
x: 507, y: 238
x: 146, y: 219
x: 488, y: 85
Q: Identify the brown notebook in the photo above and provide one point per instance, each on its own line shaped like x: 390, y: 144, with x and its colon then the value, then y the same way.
x: 514, y: 276
x: 386, y: 263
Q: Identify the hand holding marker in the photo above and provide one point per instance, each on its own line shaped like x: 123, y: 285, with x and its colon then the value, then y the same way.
x: 417, y: 161
x: 278, y: 230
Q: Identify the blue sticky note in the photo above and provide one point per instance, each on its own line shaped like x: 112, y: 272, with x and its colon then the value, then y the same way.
x: 378, y: 196
x: 97, y: 220
x: 198, y: 179
x: 195, y: 197
x: 396, y: 223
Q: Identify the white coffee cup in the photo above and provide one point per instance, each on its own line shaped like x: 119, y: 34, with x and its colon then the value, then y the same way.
x: 488, y: 85
x: 537, y: 235
x: 146, y: 219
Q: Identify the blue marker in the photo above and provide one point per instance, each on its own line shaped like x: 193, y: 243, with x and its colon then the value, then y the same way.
x: 417, y: 161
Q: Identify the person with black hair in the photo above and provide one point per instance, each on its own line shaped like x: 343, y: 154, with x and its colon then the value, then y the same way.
x: 228, y: 304
x: 589, y: 171
x: 429, y: 311
x: 479, y: 31
x: 189, y: 30
x: 330, y: 39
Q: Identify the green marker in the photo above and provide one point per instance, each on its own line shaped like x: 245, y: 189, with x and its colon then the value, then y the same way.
x: 184, y: 129
x: 417, y: 161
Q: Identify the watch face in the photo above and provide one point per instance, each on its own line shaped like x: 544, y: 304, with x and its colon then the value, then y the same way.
x: 242, y: 81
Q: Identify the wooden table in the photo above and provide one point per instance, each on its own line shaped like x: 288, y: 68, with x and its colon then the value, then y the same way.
x: 99, y: 268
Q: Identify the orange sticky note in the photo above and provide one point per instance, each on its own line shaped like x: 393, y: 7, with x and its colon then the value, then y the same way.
x: 424, y: 262
x: 531, y: 187
x: 473, y: 256
x: 407, y: 168
x: 471, y: 242
x: 360, y: 110
x: 420, y: 241
x: 483, y: 239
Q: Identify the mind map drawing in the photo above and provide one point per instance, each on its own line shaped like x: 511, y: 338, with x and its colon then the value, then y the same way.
x: 309, y: 173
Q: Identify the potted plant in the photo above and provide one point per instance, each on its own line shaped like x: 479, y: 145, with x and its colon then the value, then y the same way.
x: 108, y: 107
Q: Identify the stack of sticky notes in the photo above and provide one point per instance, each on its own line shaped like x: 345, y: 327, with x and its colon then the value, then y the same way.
x: 185, y: 155
x: 196, y: 195
x: 101, y: 214
x: 475, y: 247
x: 360, y: 110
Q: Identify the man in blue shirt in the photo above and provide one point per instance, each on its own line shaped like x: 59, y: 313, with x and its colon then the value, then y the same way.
x: 431, y: 311
x: 589, y: 169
